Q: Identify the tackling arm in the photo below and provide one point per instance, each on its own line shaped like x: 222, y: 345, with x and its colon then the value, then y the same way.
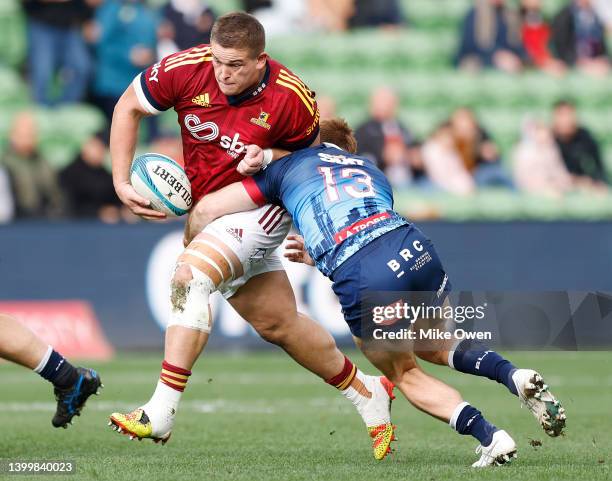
x: 255, y: 157
x: 232, y: 198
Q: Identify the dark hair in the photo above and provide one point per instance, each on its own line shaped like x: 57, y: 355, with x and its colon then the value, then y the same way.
x: 338, y: 132
x: 241, y: 31
x: 564, y: 103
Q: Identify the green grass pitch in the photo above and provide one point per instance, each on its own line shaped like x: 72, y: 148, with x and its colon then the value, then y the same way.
x: 261, y: 417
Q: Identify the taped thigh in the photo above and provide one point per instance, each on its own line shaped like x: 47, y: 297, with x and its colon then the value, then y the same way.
x: 211, y: 263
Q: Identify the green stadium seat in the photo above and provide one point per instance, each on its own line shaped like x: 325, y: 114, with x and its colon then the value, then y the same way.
x: 63, y: 130
x: 12, y: 33
x: 13, y: 91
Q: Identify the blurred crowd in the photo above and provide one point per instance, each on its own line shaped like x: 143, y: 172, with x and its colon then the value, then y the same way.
x: 459, y: 156
x: 497, y: 35
x: 90, y: 50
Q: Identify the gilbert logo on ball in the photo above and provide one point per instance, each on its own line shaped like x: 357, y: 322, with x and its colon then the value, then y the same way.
x: 162, y: 181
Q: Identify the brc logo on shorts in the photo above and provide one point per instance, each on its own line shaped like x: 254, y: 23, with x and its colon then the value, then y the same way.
x: 209, y: 132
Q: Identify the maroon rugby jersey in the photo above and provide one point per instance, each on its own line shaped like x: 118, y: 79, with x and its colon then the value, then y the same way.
x: 279, y: 112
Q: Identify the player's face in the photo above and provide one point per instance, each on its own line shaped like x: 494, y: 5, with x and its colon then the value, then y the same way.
x: 236, y: 70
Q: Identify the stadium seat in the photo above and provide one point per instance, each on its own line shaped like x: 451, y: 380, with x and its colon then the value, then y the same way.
x: 13, y: 91
x: 12, y: 33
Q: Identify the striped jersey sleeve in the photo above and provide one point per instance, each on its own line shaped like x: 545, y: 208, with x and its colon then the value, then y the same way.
x: 159, y: 86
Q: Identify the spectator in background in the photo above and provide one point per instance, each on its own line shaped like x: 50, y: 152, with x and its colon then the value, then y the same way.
x: 579, y: 149
x: 327, y: 106
x: 397, y: 163
x: 491, y: 37
x: 538, y: 166
x: 289, y: 17
x: 35, y: 185
x: 417, y: 165
x: 443, y: 163
x: 88, y: 186
x: 478, y: 152
x: 604, y: 11
x: 383, y: 136
x: 251, y: 6
x: 536, y: 35
x: 125, y: 45
x: 7, y: 203
x: 56, y: 45
x: 381, y: 13
x: 579, y: 40
x: 170, y: 146
x: 185, y: 23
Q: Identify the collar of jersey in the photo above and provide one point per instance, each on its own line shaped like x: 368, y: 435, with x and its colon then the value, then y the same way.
x: 254, y: 92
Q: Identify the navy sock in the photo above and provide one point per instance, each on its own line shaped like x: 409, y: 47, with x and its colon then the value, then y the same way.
x: 477, y: 360
x: 59, y: 371
x: 471, y: 421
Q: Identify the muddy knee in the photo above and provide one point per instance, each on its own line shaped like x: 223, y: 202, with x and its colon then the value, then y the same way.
x: 180, y: 286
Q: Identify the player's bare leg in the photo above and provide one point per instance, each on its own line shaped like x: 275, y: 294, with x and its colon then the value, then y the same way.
x: 441, y: 401
x: 474, y: 358
x: 267, y: 302
x: 73, y: 385
x: 19, y: 344
x: 199, y: 271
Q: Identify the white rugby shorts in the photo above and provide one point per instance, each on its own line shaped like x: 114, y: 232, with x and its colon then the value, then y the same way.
x: 254, y: 237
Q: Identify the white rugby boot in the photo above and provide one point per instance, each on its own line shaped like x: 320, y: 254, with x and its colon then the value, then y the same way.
x: 502, y: 450
x: 534, y: 394
x: 375, y: 410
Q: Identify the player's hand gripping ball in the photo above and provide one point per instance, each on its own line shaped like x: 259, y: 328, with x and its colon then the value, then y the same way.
x: 162, y: 181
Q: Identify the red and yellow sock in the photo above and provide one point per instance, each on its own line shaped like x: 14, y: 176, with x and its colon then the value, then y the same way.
x: 174, y: 377
x: 344, y: 379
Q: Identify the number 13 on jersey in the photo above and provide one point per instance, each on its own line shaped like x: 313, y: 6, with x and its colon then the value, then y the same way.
x: 360, y: 187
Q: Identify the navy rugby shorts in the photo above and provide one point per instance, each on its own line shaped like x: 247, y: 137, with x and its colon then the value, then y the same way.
x: 399, y: 265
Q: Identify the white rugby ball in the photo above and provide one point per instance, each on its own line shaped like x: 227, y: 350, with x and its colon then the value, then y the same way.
x: 162, y: 181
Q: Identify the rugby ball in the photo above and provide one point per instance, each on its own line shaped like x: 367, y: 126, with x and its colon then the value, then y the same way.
x: 162, y: 181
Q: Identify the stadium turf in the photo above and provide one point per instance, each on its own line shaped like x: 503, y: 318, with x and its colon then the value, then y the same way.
x: 261, y: 417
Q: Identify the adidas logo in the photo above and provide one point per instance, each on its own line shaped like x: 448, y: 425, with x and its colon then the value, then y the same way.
x: 203, y: 100
x: 235, y: 233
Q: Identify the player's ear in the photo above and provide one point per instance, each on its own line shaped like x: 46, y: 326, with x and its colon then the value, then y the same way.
x: 261, y: 60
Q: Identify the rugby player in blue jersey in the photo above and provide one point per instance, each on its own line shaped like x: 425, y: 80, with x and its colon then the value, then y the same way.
x: 342, y: 205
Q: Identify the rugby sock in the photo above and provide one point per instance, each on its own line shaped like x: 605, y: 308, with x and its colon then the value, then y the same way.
x: 477, y: 360
x: 56, y: 369
x: 350, y: 382
x: 162, y: 406
x: 466, y: 419
x: 174, y: 377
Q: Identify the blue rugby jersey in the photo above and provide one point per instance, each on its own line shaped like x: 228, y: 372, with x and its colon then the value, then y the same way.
x: 339, y: 202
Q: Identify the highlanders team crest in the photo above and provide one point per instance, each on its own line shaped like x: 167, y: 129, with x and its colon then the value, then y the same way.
x: 262, y: 120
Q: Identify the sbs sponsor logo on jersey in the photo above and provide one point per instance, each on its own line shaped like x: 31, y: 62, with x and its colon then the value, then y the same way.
x: 209, y: 132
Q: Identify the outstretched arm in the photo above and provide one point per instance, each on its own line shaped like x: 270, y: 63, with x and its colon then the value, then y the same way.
x: 232, y: 198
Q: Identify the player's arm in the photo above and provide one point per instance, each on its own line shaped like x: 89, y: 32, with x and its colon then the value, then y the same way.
x: 252, y: 192
x: 256, y: 159
x: 124, y: 133
x: 228, y: 200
